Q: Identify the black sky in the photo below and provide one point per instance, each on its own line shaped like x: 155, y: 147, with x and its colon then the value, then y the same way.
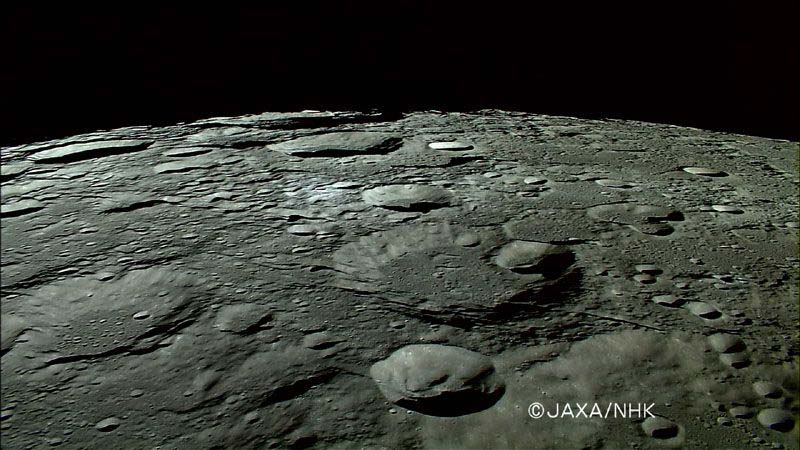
x: 728, y: 66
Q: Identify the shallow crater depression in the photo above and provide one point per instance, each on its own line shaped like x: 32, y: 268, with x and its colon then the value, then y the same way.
x: 448, y: 273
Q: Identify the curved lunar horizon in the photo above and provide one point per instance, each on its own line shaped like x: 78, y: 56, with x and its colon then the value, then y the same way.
x: 425, y: 280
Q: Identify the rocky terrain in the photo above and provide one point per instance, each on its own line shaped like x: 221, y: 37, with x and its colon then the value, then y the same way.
x: 365, y: 280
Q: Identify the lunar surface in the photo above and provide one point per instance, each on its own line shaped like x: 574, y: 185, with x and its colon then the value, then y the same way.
x: 364, y: 280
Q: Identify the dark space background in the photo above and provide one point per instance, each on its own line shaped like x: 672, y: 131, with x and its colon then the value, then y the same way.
x: 730, y: 66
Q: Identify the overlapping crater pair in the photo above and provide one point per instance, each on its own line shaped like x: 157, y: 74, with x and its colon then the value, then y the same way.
x: 447, y: 273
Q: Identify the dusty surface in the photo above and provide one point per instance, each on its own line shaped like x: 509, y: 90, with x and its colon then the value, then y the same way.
x: 238, y: 282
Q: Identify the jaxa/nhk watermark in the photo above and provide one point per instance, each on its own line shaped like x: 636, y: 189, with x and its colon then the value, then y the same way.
x: 591, y: 410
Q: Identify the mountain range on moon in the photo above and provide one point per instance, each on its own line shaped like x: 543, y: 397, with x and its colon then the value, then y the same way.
x: 369, y: 280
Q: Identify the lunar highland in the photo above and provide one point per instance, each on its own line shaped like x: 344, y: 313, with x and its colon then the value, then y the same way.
x: 368, y: 280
